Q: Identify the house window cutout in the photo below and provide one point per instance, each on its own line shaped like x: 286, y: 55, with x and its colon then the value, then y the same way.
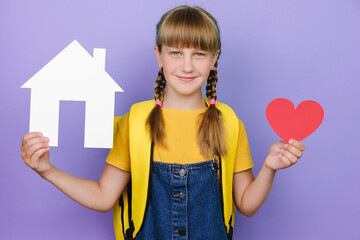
x: 71, y: 123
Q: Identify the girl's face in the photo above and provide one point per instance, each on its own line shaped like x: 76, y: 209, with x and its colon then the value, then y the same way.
x: 185, y: 69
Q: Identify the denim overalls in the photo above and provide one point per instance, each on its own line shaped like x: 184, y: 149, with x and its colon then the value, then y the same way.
x: 184, y: 203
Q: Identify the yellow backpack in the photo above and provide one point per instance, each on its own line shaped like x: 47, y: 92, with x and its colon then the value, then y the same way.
x: 128, y: 212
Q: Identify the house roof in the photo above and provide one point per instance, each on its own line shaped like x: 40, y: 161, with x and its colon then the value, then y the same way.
x: 73, y: 68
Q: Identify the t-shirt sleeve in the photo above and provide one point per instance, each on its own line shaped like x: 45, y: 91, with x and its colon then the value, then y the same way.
x: 243, y: 160
x: 119, y: 155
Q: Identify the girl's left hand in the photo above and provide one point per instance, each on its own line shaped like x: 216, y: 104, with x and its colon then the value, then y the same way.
x: 283, y: 155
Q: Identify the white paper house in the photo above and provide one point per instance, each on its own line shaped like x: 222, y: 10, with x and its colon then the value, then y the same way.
x: 74, y: 75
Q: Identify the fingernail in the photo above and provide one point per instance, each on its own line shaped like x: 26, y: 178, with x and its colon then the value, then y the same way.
x: 46, y: 139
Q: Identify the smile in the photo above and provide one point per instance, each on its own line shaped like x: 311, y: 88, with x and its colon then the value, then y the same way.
x: 186, y: 79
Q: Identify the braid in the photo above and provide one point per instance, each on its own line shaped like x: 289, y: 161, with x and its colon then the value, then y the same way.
x: 160, y: 85
x: 211, y: 83
x: 155, y: 121
x: 211, y: 129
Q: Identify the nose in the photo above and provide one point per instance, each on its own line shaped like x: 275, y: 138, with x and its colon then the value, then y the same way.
x: 187, y: 65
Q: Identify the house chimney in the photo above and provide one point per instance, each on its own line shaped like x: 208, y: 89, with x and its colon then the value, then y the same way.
x: 99, y: 57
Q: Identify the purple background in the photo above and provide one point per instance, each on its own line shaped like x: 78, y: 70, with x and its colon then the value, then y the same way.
x: 280, y: 48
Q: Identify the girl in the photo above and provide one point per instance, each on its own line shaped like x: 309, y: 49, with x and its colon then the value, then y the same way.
x: 188, y: 158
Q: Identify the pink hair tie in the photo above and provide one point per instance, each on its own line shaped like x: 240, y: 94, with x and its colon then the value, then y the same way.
x: 158, y: 103
x: 212, y: 102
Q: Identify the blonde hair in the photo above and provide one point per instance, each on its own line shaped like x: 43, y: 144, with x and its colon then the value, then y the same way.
x: 190, y: 27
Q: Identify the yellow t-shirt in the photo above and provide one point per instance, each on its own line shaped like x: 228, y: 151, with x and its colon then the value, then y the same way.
x: 181, y: 127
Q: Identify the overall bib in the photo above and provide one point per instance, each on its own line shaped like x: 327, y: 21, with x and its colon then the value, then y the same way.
x: 184, y: 203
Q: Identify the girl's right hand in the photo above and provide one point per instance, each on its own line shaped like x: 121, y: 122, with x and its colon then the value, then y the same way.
x: 35, y: 152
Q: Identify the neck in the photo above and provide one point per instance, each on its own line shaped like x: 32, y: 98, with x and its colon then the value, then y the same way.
x: 181, y: 102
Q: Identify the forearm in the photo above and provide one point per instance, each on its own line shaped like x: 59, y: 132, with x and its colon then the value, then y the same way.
x: 250, y: 193
x: 86, y: 192
x: 257, y: 191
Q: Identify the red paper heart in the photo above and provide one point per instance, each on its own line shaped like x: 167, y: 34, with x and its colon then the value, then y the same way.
x: 291, y: 123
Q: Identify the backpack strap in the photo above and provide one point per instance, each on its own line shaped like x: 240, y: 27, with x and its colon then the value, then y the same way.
x: 129, y: 232
x: 140, y: 149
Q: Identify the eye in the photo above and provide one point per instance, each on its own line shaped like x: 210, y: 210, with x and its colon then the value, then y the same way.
x: 175, y: 53
x: 199, y: 54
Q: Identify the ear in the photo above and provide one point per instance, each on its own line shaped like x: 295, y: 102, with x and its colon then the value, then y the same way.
x: 158, y: 57
x: 216, y: 56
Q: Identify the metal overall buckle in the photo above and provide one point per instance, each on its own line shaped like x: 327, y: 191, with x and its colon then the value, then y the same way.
x: 215, y: 165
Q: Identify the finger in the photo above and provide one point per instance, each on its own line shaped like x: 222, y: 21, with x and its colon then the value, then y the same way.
x: 280, y: 144
x: 297, y: 144
x: 39, y: 153
x: 295, y: 151
x: 28, y: 137
x: 286, y: 162
x: 27, y: 144
x: 277, y: 147
x: 35, y: 148
x: 291, y: 157
x: 31, y: 135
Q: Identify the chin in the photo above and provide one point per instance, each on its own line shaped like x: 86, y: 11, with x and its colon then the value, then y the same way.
x: 187, y: 92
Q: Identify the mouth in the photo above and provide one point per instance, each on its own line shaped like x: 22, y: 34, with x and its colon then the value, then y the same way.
x: 185, y: 79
